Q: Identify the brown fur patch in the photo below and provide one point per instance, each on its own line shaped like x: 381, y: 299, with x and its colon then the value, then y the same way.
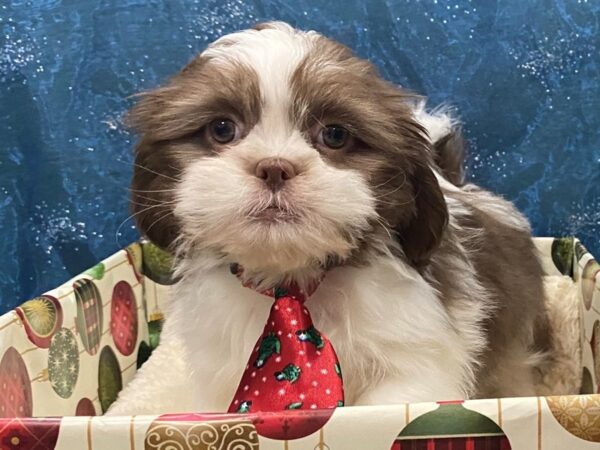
x: 332, y: 86
x: 171, y: 120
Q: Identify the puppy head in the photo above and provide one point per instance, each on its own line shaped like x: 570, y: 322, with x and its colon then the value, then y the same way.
x: 280, y: 150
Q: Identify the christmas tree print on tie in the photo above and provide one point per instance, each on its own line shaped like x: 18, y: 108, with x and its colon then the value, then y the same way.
x: 311, y: 335
x: 244, y: 407
x: 290, y: 373
x: 269, y: 345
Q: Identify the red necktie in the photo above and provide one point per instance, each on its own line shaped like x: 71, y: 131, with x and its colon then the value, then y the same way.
x: 293, y: 366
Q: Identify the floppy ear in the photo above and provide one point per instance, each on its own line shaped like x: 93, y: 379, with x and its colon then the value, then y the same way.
x: 151, y: 195
x: 423, y: 233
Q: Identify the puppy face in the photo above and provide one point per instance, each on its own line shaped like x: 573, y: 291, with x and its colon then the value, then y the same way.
x: 282, y: 151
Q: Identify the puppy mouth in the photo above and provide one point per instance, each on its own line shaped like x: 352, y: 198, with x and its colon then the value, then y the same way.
x: 274, y: 213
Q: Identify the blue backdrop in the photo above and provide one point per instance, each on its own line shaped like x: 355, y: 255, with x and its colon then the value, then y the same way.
x: 523, y: 75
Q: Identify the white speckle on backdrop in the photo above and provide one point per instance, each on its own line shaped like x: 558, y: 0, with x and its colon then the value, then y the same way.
x: 524, y: 77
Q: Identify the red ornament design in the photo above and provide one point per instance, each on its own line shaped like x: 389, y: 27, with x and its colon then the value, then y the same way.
x: 123, y: 318
x: 289, y: 425
x: 15, y: 387
x: 29, y: 434
x: 85, y: 407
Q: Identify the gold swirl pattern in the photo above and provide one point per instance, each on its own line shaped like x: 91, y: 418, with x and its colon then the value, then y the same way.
x: 579, y: 415
x: 228, y: 435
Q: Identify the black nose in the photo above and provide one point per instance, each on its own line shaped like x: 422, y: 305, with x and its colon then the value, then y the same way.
x: 275, y: 172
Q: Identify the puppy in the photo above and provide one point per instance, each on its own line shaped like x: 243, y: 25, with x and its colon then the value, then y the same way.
x: 281, y: 151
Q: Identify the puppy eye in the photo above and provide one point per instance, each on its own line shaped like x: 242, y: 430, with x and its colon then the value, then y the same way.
x: 223, y: 130
x: 334, y: 137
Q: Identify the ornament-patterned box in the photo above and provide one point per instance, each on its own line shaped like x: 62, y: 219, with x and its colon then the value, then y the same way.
x: 66, y: 354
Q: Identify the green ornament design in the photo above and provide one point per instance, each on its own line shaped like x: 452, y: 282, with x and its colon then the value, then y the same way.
x: 338, y: 369
x: 154, y: 329
x: 295, y: 405
x: 110, y: 381
x: 244, y: 407
x: 290, y: 373
x: 562, y: 255
x: 269, y: 345
x: 340, y: 403
x: 453, y: 421
x: 63, y: 362
x: 143, y: 354
x: 157, y: 264
x: 96, y: 272
x: 311, y: 335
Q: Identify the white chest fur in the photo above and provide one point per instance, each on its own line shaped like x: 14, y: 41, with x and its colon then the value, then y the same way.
x: 386, y: 323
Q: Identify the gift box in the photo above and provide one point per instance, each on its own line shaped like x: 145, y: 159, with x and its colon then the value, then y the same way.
x: 66, y: 354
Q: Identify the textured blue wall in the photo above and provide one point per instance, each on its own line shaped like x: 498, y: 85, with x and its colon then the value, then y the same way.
x: 523, y: 74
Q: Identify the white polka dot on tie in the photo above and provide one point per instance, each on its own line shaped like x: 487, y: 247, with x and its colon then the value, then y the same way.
x: 256, y: 393
x: 278, y: 359
x: 301, y: 352
x: 308, y: 364
x: 328, y: 391
x: 276, y: 307
x: 315, y: 384
x: 246, y: 387
x: 289, y: 309
x: 236, y: 402
x: 294, y: 322
x: 313, y: 406
x: 302, y: 396
x: 279, y: 333
x: 264, y: 379
x: 253, y: 374
x: 324, y: 371
x: 281, y: 391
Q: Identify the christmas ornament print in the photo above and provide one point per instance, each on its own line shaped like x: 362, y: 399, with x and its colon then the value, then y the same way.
x: 96, y: 272
x: 595, y: 344
x: 157, y: 264
x: 110, y: 381
x: 123, y: 318
x: 33, y: 434
x: 89, y: 314
x: 15, y: 387
x: 63, y: 362
x: 563, y: 254
x: 41, y: 317
x: 201, y: 432
x: 590, y: 282
x: 85, y: 407
x: 134, y: 256
x: 452, y: 426
x: 579, y: 415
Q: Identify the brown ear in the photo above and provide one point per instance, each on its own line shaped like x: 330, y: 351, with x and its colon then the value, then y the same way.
x: 423, y: 233
x: 152, y: 186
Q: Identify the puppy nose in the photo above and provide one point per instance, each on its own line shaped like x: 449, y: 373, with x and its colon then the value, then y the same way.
x: 275, y: 172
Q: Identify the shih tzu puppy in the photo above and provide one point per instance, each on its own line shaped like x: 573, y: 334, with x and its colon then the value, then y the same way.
x: 281, y: 151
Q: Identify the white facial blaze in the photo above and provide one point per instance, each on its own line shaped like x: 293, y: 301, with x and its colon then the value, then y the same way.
x: 218, y: 194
